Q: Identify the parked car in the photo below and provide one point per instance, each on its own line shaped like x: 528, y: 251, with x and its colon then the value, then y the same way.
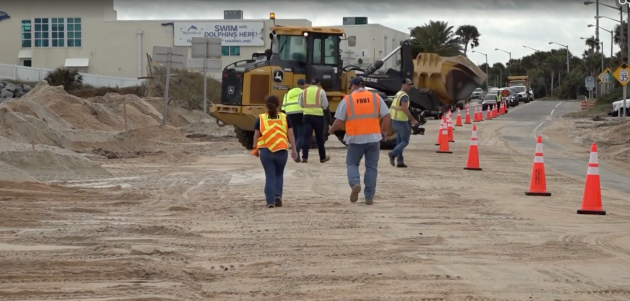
x: 478, y: 93
x: 522, y: 93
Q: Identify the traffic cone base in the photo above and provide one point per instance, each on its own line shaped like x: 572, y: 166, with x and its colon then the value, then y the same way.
x: 538, y: 193
x: 538, y: 183
x: 592, y: 199
x: 472, y: 168
x: 593, y: 212
x: 444, y: 152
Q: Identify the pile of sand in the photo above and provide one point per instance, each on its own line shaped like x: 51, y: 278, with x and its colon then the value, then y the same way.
x: 56, y: 122
x: 611, y: 134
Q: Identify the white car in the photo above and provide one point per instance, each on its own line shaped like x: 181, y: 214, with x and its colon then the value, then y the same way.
x: 616, y: 107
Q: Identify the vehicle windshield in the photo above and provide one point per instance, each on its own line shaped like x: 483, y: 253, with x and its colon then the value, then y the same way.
x: 478, y: 90
x: 490, y: 96
x: 519, y: 88
x: 292, y: 48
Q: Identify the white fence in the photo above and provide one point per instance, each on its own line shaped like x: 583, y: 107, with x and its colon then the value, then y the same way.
x: 30, y: 74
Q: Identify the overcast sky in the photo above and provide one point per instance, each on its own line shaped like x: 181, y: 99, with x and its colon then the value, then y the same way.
x: 505, y: 24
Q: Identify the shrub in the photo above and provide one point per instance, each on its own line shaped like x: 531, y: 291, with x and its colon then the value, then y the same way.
x: 68, y: 78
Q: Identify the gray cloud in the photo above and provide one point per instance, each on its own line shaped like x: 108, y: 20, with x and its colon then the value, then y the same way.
x: 505, y: 24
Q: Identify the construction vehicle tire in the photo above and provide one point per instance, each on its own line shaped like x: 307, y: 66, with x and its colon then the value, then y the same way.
x: 245, y: 138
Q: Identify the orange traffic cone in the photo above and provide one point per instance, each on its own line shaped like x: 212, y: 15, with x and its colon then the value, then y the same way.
x: 458, y: 120
x: 538, y: 184
x: 488, y: 113
x: 449, y: 128
x: 476, y: 114
x: 592, y: 199
x: 495, y: 112
x: 473, y: 152
x: 467, y: 119
x: 444, y: 140
x: 501, y: 107
x: 440, y: 130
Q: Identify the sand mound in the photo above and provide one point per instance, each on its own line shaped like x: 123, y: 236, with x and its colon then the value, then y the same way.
x: 42, y: 160
x: 56, y: 122
x: 612, y: 135
x: 207, y: 127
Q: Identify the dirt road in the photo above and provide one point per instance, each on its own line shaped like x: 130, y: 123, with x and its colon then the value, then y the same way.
x: 192, y: 225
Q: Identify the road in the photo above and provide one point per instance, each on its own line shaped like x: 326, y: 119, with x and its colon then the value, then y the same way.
x: 191, y: 224
x: 528, y: 121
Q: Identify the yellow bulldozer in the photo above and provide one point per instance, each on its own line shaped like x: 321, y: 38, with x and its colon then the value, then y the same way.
x: 314, y: 52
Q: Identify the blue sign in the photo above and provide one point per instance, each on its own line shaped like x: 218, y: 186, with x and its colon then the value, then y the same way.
x: 4, y: 15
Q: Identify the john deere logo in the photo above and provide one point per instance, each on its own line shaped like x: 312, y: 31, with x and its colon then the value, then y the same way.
x: 4, y: 15
x: 278, y: 76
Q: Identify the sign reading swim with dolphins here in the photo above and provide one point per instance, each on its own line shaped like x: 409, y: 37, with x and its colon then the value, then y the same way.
x: 232, y: 33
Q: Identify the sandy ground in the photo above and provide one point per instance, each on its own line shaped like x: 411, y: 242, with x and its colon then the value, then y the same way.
x: 189, y: 223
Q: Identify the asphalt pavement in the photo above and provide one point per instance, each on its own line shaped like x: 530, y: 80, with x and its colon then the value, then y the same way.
x: 531, y: 120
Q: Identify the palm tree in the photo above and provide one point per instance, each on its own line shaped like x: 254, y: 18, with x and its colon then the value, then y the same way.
x: 619, y: 40
x: 435, y: 37
x: 592, y: 44
x: 468, y: 34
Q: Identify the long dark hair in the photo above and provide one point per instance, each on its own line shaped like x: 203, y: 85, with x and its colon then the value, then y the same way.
x: 272, y: 103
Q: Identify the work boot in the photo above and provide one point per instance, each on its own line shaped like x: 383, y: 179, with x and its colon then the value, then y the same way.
x: 298, y: 160
x: 278, y: 201
x: 354, y: 195
x: 269, y: 206
x: 304, y: 160
x: 401, y: 165
x: 391, y: 159
x: 325, y: 159
x: 369, y: 201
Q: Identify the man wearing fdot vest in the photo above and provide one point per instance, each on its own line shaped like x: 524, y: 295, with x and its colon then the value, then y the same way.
x: 313, y: 100
x: 360, y: 112
x: 400, y: 122
x: 291, y: 107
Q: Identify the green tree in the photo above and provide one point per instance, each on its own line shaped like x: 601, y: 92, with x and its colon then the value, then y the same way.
x: 468, y: 34
x: 435, y: 37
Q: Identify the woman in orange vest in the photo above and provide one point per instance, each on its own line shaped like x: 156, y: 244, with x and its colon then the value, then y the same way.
x: 272, y: 136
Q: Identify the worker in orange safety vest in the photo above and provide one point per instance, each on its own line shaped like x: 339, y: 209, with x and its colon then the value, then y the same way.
x: 360, y: 112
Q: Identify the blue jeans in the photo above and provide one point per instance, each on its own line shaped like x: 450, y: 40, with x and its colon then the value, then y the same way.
x: 403, y: 134
x: 353, y: 160
x: 274, y: 164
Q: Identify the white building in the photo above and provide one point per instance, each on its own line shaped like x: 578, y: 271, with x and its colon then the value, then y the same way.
x: 374, y: 41
x: 87, y: 35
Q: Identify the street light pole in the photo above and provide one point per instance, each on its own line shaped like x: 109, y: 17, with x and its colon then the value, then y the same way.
x: 510, y: 61
x: 567, y: 47
x: 486, y: 55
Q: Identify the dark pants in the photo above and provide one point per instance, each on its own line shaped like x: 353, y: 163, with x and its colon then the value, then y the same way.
x: 297, y: 122
x: 274, y: 164
x: 311, y: 123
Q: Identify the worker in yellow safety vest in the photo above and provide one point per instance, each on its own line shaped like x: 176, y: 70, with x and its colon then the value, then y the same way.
x: 401, y: 116
x: 291, y: 107
x: 313, y: 100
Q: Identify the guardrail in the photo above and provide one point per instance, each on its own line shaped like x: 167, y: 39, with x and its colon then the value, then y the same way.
x: 32, y: 74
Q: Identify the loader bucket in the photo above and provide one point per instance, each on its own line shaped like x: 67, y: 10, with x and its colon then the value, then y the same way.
x: 451, y: 78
